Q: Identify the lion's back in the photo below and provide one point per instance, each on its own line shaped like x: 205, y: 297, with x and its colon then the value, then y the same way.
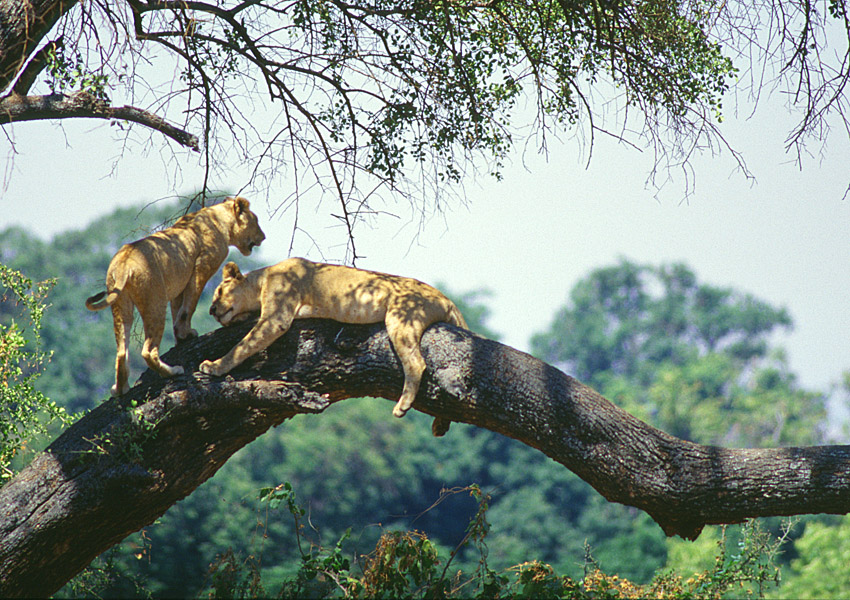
x: 163, y: 261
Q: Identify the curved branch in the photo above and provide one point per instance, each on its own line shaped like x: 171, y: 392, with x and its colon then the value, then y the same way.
x: 119, y: 468
x: 15, y: 108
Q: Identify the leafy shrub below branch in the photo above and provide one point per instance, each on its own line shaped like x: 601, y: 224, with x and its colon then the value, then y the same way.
x: 406, y: 564
x: 24, y: 412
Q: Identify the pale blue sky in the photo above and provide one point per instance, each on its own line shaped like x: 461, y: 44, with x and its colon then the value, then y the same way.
x: 530, y: 237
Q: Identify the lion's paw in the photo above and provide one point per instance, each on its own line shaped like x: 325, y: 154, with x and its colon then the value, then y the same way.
x: 209, y: 367
x: 189, y: 335
x: 116, y: 391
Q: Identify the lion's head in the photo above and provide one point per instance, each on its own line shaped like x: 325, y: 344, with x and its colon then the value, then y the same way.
x: 235, y: 298
x: 245, y: 233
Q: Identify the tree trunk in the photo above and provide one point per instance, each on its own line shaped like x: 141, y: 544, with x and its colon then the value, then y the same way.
x: 23, y: 24
x: 127, y: 461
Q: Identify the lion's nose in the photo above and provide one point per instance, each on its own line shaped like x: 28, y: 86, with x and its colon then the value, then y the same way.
x: 212, y: 310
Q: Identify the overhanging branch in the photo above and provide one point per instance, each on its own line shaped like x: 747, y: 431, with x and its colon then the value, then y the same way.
x: 119, y: 468
x: 15, y: 108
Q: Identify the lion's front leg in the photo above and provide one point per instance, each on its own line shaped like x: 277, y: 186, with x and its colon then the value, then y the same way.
x: 258, y: 339
x: 182, y: 309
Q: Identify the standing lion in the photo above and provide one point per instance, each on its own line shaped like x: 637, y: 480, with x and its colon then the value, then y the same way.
x: 172, y: 265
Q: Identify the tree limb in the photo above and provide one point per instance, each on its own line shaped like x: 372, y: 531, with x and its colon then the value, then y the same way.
x: 119, y: 468
x: 15, y: 108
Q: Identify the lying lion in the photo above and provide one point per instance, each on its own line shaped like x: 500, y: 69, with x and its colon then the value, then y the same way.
x: 297, y: 288
x: 171, y: 265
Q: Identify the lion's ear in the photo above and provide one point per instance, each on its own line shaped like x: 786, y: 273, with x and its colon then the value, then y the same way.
x: 240, y: 205
x: 231, y: 271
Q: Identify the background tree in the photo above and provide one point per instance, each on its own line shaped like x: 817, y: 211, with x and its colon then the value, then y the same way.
x: 693, y: 359
x: 354, y: 468
x: 818, y: 570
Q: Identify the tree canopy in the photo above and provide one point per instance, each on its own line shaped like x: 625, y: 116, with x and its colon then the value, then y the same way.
x: 691, y: 358
x: 371, y: 100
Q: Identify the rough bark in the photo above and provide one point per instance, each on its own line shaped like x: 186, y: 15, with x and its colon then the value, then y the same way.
x: 121, y: 467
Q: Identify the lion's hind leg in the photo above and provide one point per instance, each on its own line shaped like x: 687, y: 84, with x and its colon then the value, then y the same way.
x: 153, y: 320
x: 122, y: 320
x: 454, y: 317
x: 405, y: 333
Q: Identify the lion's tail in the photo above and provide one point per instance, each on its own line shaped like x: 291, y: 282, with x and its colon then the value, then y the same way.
x: 108, y: 298
x: 102, y: 300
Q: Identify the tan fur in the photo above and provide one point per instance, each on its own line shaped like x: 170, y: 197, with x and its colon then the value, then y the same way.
x: 297, y: 288
x: 172, y: 265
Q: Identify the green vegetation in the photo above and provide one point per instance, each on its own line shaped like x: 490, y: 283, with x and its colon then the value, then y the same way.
x: 407, y: 564
x: 820, y: 568
x: 384, y: 509
x: 25, y: 412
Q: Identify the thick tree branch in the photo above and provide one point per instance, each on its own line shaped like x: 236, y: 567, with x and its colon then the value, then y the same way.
x: 120, y: 467
x: 15, y: 108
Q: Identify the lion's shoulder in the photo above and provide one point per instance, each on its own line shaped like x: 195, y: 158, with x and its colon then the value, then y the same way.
x: 200, y: 219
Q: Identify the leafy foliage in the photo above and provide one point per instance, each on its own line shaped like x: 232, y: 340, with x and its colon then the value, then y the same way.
x: 820, y: 568
x: 632, y: 317
x: 69, y: 73
x: 373, y: 101
x: 25, y: 413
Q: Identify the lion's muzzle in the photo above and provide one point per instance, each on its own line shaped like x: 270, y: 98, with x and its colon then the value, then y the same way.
x: 218, y: 317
